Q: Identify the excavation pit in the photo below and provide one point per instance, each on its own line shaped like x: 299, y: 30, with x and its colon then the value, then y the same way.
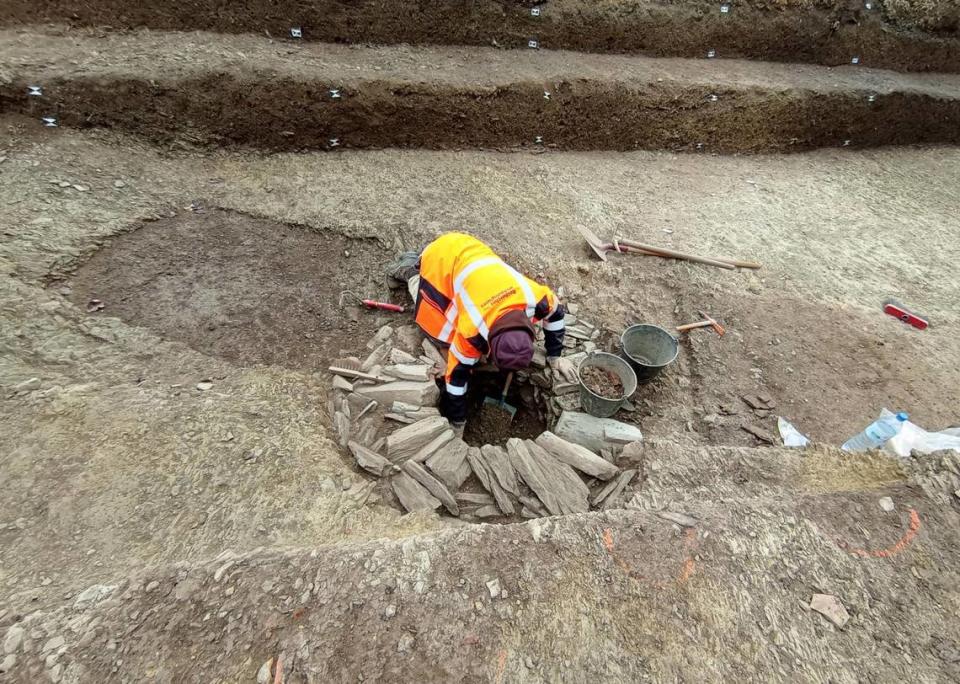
x: 246, y: 289
x: 491, y: 425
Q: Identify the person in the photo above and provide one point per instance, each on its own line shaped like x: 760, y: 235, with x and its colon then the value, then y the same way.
x: 474, y: 305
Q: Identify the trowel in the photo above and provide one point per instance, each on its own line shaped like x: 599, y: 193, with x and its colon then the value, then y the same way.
x: 501, y: 403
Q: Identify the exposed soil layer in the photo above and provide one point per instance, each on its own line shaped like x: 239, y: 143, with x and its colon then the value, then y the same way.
x: 602, y: 382
x: 249, y: 290
x: 178, y: 87
x: 490, y: 424
x: 829, y: 32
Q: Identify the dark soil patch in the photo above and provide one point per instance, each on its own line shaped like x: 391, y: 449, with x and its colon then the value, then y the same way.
x: 248, y: 290
x: 602, y: 382
x: 824, y: 34
x: 490, y: 424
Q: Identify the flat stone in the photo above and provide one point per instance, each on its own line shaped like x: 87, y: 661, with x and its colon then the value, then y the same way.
x: 27, y: 386
x: 375, y: 358
x: 449, y: 463
x: 577, y: 456
x: 436, y: 358
x: 413, y: 495
x: 14, y: 638
x: 342, y: 425
x: 340, y: 383
x: 595, y: 433
x: 408, y: 440
x: 613, y: 496
x: 831, y: 608
x: 608, y: 489
x: 381, y: 336
x: 487, y: 512
x: 408, y: 371
x: 474, y: 499
x: 94, y: 593
x: 407, y: 391
x: 353, y: 373
x: 498, y: 462
x: 534, y: 505
x: 759, y: 433
x: 433, y: 485
x: 263, y: 674
x: 554, y: 483
x: 53, y: 644
x: 489, y: 481
x: 433, y: 447
x: 400, y: 418
x: 8, y: 663
x: 370, y: 460
x: 681, y: 519
x: 398, y: 356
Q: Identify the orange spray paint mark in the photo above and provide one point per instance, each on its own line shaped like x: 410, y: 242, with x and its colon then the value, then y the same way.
x: 901, y: 544
x: 501, y: 666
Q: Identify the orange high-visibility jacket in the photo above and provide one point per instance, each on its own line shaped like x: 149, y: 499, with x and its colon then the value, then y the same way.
x: 464, y: 289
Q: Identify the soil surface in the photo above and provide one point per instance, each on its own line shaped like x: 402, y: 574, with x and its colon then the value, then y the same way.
x: 185, y: 89
x: 602, y: 382
x: 249, y: 290
x: 491, y: 425
x: 822, y: 31
x: 121, y: 474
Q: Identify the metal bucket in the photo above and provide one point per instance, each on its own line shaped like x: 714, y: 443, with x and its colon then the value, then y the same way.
x: 649, y: 349
x: 593, y: 403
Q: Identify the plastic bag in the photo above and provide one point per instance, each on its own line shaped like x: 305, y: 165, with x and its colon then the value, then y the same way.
x: 790, y: 435
x: 914, y: 438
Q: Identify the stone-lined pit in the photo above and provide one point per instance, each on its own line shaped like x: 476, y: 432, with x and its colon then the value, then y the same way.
x: 828, y: 33
x: 246, y: 289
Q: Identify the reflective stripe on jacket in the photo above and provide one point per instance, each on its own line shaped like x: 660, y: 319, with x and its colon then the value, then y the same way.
x: 464, y: 288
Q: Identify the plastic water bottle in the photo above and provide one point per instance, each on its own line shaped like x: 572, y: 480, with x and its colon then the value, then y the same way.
x: 877, y: 433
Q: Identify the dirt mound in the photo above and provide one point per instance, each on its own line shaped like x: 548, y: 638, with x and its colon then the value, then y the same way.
x: 823, y: 32
x: 245, y: 289
x: 178, y: 88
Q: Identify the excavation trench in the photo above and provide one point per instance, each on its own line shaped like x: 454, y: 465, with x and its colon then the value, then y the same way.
x: 824, y: 34
x: 285, y: 114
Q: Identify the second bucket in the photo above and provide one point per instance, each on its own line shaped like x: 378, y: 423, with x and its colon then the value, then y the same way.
x: 649, y: 349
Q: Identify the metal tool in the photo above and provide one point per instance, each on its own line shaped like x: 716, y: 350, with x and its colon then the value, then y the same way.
x: 501, y: 403
x: 708, y: 322
x: 600, y: 248
x: 373, y: 303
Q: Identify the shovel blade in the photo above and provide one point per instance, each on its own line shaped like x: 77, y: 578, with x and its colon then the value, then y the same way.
x: 596, y: 244
x: 499, y: 404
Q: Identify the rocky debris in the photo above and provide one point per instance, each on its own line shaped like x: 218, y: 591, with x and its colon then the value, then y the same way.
x: 408, y: 371
x: 577, y: 456
x: 489, y: 481
x: 405, y: 644
x: 94, y: 593
x: 8, y: 663
x: 406, y: 391
x: 493, y: 588
x: 371, y: 461
x: 410, y: 439
x: 431, y: 448
x: 831, y: 608
x: 432, y: 485
x: 887, y: 505
x: 595, y: 434
x: 450, y: 464
x: 340, y: 383
x: 759, y: 402
x: 264, y: 673
x: 555, y: 484
x: 412, y: 495
x: 607, y: 495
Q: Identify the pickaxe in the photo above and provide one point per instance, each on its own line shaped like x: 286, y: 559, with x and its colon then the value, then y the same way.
x: 708, y: 322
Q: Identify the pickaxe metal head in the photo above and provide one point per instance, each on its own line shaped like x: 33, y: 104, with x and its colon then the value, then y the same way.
x: 713, y: 324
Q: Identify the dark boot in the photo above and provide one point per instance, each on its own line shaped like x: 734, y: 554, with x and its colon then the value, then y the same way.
x: 403, y: 268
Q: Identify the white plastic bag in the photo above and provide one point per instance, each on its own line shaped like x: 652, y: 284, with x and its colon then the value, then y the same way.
x: 914, y: 438
x: 790, y: 435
